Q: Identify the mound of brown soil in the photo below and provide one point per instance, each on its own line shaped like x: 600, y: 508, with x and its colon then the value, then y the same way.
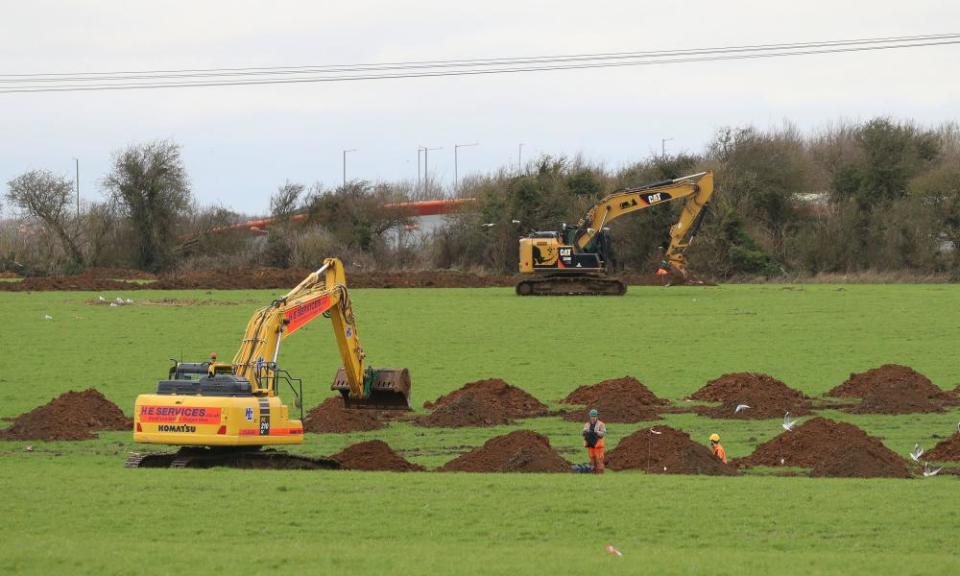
x: 892, y: 389
x: 664, y: 450
x: 622, y: 400
x: 519, y: 451
x: 469, y: 409
x: 481, y: 403
x: 628, y: 386
x: 945, y: 450
x: 70, y: 416
x: 830, y: 447
x: 860, y: 384
x: 373, y: 455
x: 332, y: 416
x: 766, y: 397
x: 870, y: 461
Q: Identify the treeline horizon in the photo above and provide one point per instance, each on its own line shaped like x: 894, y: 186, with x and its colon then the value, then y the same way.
x: 877, y: 196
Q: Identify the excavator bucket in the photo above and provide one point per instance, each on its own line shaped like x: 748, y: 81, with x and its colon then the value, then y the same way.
x: 386, y: 389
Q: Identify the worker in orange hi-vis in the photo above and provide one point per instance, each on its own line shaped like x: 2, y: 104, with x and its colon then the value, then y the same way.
x: 594, y: 432
x: 717, y: 448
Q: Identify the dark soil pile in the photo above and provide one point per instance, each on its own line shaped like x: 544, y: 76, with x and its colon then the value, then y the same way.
x: 766, y: 397
x: 373, y: 455
x: 623, y: 400
x: 667, y: 452
x: 870, y: 461
x: 892, y: 389
x: 946, y: 450
x: 831, y: 448
x: 519, y: 451
x: 621, y: 387
x: 70, y: 416
x: 332, y: 416
x: 482, y: 403
x: 469, y: 409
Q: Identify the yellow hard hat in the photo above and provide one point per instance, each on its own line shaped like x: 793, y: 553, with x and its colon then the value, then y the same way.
x: 714, y: 437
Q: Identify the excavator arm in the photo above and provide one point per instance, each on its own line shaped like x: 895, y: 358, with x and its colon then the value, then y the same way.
x: 323, y: 292
x: 695, y: 190
x: 687, y: 226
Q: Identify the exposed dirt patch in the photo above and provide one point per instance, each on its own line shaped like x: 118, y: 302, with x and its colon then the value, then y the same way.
x: 831, y: 449
x: 70, y: 416
x: 519, y: 451
x: 945, y: 450
x: 482, y: 403
x: 766, y: 397
x: 373, y: 455
x: 893, y: 389
x: 665, y: 450
x: 332, y: 416
x: 622, y: 400
x: 263, y: 278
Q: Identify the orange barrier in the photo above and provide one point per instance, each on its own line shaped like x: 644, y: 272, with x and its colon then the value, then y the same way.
x: 421, y: 208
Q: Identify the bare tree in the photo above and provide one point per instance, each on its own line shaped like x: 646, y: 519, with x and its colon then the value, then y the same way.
x: 47, y: 197
x: 286, y: 201
x: 150, y: 187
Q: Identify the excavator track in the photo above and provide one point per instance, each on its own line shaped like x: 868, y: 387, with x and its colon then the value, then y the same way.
x: 246, y: 458
x: 571, y: 285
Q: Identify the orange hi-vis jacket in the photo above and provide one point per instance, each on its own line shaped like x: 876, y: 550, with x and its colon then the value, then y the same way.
x: 719, y: 452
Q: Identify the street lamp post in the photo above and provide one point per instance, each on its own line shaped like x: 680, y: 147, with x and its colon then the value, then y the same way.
x: 419, y: 150
x: 426, y: 165
x: 520, y: 158
x: 663, y: 146
x: 456, y: 163
x: 77, y: 165
x: 345, y: 165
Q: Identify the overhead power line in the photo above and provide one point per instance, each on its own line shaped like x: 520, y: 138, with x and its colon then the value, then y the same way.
x: 187, y: 78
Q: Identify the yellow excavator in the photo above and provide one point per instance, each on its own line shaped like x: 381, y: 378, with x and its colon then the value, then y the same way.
x: 574, y: 260
x: 222, y: 414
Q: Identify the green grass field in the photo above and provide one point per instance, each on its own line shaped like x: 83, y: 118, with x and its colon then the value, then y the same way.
x: 71, y: 507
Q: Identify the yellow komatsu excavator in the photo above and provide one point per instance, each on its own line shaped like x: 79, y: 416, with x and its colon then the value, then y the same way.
x: 574, y: 260
x: 223, y: 414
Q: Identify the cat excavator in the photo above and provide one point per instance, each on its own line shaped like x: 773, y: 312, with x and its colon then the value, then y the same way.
x: 575, y: 259
x: 223, y: 414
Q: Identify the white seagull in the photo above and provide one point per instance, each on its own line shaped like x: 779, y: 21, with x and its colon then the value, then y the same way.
x: 101, y: 299
x: 916, y: 453
x: 928, y: 472
x: 788, y: 423
x: 47, y: 317
x: 740, y: 408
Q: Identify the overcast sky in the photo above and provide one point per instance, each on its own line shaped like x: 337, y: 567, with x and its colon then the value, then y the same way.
x: 240, y: 143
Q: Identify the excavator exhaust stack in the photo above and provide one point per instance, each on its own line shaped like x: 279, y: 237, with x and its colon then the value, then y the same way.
x: 385, y: 389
